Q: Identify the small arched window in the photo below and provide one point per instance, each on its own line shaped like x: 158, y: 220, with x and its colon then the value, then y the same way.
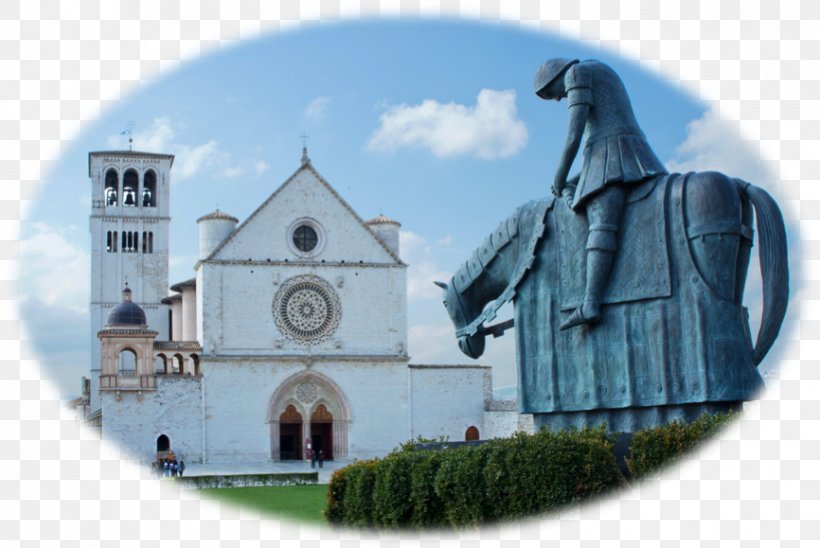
x: 109, y: 244
x: 130, y: 183
x: 150, y: 242
x: 149, y: 189
x: 471, y: 434
x: 144, y: 242
x: 114, y: 241
x: 127, y: 362
x: 177, y: 364
x: 112, y: 181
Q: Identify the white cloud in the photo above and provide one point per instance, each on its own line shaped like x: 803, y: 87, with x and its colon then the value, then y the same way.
x: 233, y: 172
x: 316, y: 110
x: 54, y: 270
x: 713, y: 144
x: 422, y: 270
x: 261, y: 167
x: 189, y: 160
x: 489, y: 129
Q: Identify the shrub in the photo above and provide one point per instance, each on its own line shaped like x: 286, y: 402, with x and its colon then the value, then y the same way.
x: 459, y: 484
x: 502, y: 479
x: 471, y: 485
x: 654, y: 448
x: 391, y: 491
x: 334, y: 509
x: 427, y: 508
x: 527, y: 475
x: 357, y: 508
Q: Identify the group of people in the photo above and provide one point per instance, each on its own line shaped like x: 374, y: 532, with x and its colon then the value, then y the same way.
x: 168, y: 467
x: 317, y: 456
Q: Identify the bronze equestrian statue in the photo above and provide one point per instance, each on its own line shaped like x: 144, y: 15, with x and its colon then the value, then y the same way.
x: 627, y: 282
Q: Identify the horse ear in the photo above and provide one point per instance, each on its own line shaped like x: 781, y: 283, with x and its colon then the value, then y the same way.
x: 441, y: 285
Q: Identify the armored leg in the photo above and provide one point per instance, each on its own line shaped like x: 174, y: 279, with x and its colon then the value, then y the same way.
x: 604, y: 214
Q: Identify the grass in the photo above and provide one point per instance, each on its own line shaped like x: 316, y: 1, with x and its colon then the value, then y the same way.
x: 298, y: 502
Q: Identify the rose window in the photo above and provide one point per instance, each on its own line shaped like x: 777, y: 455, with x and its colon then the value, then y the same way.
x: 306, y: 308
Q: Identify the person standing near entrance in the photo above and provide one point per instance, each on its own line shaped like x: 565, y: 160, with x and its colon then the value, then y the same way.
x: 616, y: 157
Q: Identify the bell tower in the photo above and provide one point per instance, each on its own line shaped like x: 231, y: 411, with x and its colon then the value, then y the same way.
x: 130, y: 218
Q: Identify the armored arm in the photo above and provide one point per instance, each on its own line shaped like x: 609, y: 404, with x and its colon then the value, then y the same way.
x: 578, y: 84
x: 578, y: 115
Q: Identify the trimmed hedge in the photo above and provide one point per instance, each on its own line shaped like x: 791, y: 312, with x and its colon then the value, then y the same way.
x: 501, y: 479
x: 247, y: 480
x: 654, y: 448
x: 467, y: 486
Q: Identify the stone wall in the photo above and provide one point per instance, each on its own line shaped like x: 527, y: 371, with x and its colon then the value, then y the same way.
x: 239, y: 396
x: 502, y: 420
x: 448, y: 399
x: 135, y: 419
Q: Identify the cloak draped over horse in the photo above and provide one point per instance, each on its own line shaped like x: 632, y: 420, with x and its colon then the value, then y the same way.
x: 674, y: 338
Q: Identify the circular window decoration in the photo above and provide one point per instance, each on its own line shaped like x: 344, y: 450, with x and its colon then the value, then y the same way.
x: 306, y: 238
x: 306, y: 309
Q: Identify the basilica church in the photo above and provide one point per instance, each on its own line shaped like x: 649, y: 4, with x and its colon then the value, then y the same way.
x: 291, y: 335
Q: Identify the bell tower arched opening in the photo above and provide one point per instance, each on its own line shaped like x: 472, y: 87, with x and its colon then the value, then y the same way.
x: 149, y: 189
x: 130, y: 184
x: 112, y: 183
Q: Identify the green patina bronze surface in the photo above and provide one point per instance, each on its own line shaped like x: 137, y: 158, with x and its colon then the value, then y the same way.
x: 631, y: 317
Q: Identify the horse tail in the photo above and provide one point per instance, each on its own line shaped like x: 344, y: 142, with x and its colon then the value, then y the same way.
x: 774, y: 266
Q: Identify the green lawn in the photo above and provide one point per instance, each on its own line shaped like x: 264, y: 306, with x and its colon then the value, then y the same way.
x: 300, y: 502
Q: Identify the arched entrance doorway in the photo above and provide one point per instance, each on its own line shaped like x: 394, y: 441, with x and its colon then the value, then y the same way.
x: 321, y: 431
x: 163, y: 446
x: 323, y: 414
x: 290, y: 434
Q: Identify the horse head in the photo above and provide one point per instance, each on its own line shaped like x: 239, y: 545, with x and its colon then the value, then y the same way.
x: 461, y: 315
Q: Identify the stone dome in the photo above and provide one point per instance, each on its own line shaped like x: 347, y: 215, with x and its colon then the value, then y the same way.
x: 382, y: 220
x: 219, y: 216
x: 127, y: 313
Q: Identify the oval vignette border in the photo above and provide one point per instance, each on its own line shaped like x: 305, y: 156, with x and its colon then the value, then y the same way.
x: 73, y: 487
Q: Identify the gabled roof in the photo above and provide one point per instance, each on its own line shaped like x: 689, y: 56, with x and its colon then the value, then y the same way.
x: 309, y: 167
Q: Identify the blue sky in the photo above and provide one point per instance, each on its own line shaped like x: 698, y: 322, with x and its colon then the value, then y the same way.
x: 431, y: 123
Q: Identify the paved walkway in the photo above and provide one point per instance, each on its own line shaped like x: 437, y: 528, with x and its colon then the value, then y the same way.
x: 266, y: 467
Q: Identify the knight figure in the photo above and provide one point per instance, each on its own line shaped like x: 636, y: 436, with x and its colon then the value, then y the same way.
x: 616, y: 156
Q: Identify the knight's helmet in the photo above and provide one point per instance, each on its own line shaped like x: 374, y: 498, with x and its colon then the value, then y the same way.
x: 548, y: 72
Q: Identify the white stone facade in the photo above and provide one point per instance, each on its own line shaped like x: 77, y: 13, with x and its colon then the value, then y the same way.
x: 293, y: 331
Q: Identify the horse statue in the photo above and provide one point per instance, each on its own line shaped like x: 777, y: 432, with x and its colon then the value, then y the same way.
x: 674, y: 339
